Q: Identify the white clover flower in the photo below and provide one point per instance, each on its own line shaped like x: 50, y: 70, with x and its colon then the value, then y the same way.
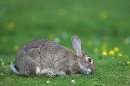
x: 73, y: 81
x: 2, y: 63
x: 47, y: 82
x: 1, y: 74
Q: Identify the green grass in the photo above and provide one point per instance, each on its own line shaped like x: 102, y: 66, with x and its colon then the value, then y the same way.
x: 101, y: 25
x: 109, y: 72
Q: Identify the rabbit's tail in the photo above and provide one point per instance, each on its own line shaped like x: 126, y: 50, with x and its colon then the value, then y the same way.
x: 13, y: 67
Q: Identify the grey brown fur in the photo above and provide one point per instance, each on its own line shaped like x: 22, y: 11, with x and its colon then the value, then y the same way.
x: 45, y: 57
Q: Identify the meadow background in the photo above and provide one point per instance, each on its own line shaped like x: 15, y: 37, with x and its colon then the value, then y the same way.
x: 103, y: 27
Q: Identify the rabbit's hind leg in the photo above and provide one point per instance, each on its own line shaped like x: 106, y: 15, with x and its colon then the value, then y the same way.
x: 48, y: 72
x: 26, y: 68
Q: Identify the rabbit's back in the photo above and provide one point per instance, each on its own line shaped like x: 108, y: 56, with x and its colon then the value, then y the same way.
x: 37, y: 50
x: 40, y: 43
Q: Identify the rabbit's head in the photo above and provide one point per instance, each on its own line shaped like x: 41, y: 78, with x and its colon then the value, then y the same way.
x: 85, y: 61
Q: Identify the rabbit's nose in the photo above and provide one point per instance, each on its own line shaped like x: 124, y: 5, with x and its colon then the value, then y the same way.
x: 93, y: 69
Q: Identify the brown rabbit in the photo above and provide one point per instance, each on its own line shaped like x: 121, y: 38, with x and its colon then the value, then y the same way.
x: 45, y: 57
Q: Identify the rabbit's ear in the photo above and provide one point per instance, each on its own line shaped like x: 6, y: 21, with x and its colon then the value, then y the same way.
x: 77, y: 45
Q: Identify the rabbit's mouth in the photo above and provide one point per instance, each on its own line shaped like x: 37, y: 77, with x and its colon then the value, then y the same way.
x: 85, y: 70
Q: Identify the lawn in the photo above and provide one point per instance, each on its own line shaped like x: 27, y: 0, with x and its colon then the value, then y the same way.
x: 102, y: 26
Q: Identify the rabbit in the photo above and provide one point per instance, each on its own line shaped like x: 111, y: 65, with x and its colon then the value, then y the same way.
x: 48, y: 58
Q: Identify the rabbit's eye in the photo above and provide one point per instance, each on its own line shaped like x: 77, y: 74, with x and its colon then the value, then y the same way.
x: 89, y: 59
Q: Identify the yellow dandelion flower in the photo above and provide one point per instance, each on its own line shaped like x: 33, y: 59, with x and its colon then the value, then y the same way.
x: 116, y: 49
x: 111, y: 52
x: 125, y: 41
x: 4, y: 39
x: 127, y: 63
x: 104, y: 53
x: 51, y: 36
x: 119, y: 54
x: 16, y: 47
x: 89, y: 43
x: 103, y: 15
x: 9, y: 25
x: 62, y: 12
x: 95, y: 50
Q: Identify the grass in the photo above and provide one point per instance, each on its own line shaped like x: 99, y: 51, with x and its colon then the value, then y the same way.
x: 103, y: 27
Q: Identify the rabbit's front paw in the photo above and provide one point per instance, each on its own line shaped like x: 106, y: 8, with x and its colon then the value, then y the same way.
x: 47, y: 73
